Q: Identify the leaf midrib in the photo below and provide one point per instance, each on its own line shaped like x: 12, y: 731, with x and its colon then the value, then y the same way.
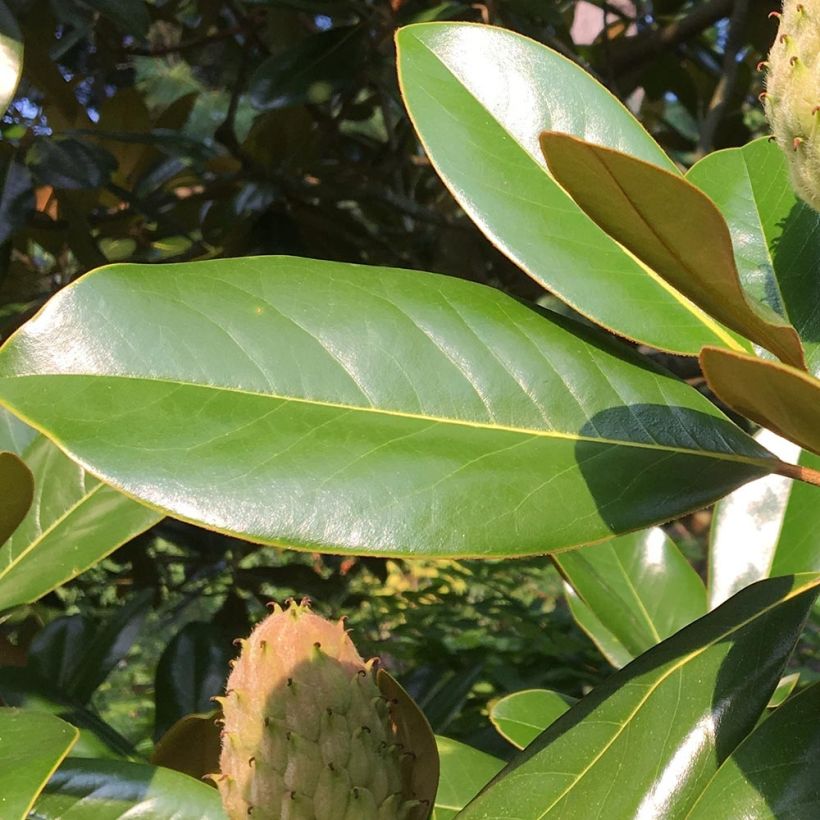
x: 674, y: 668
x: 763, y: 462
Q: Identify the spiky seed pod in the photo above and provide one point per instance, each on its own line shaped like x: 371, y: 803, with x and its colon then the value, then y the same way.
x: 307, y: 734
x: 792, y: 96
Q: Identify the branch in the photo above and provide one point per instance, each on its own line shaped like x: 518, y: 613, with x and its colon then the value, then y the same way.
x: 645, y: 46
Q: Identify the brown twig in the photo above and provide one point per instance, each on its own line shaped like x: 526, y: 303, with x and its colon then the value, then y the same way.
x: 798, y: 473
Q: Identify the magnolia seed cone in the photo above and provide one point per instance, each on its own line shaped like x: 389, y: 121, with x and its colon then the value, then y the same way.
x: 307, y: 734
x: 792, y: 97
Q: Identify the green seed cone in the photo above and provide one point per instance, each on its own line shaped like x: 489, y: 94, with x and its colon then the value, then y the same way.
x: 307, y: 735
x: 792, y: 97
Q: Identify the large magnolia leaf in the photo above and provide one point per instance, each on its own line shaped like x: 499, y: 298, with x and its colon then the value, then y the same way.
x: 647, y: 742
x: 111, y: 790
x: 779, y: 397
x: 464, y: 771
x: 776, y: 237
x: 342, y: 408
x: 639, y: 587
x: 479, y: 97
x: 32, y: 744
x: 11, y: 56
x: 672, y: 227
x: 766, y: 528
x: 773, y: 773
x: 74, y: 522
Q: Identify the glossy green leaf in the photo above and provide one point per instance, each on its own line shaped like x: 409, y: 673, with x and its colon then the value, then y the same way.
x: 191, y: 671
x: 21, y: 687
x: 77, y: 653
x: 11, y: 56
x: 69, y: 163
x: 75, y: 522
x: 311, y: 71
x: 608, y: 645
x: 32, y: 744
x: 110, y: 790
x: 640, y: 588
x: 675, y: 229
x: 341, y: 408
x: 776, y: 237
x: 16, y: 493
x: 479, y: 97
x: 768, y: 527
x: 773, y: 773
x: 647, y: 741
x: 464, y: 772
x: 781, y: 398
x: 522, y: 716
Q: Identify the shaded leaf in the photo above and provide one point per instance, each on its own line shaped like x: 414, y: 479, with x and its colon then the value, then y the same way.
x: 191, y: 671
x: 416, y: 736
x: 309, y: 72
x: 16, y: 493
x: 522, y: 716
x: 22, y: 688
x: 639, y: 587
x: 749, y: 785
x: 647, y: 741
x: 77, y: 654
x: 776, y: 236
x: 478, y: 97
x: 768, y: 527
x: 419, y: 415
x: 15, y: 435
x: 32, y: 744
x: 191, y: 746
x: 17, y: 200
x: 68, y: 163
x: 75, y: 522
x: 129, y: 16
x: 110, y: 790
x: 464, y: 771
x: 673, y: 228
x: 608, y: 645
x: 777, y: 396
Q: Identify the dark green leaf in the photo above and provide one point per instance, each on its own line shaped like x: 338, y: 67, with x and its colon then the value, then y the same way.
x: 21, y: 687
x: 776, y: 237
x: 68, y: 163
x: 309, y: 72
x: 647, y: 741
x: 16, y: 199
x: 75, y: 522
x: 129, y: 16
x: 341, y: 408
x: 110, y: 790
x: 773, y: 773
x: 32, y: 744
x: 479, y: 97
x: 673, y: 228
x: 639, y: 586
x: 192, y: 670
x: 464, y: 771
x: 77, y: 654
x: 522, y: 716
